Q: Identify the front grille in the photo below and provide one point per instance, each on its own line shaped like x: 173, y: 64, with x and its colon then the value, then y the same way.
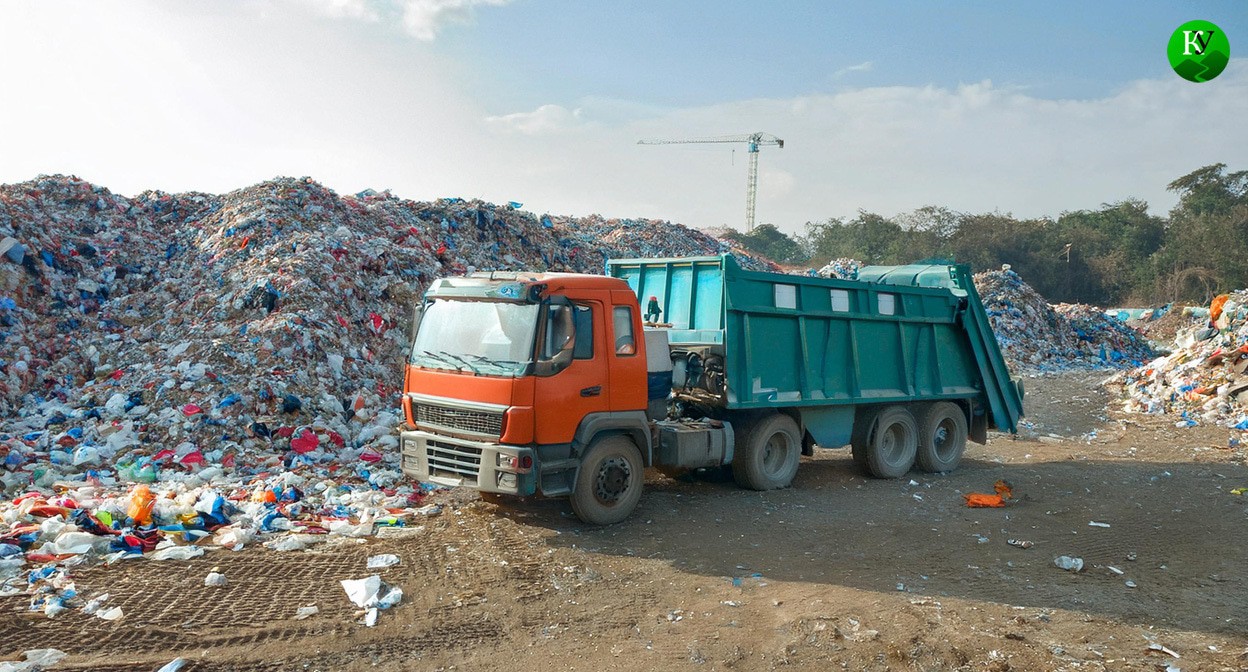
x: 453, y: 460
x: 485, y: 423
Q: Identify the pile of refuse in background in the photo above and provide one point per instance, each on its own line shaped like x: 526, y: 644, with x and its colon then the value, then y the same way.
x: 1204, y: 379
x: 1035, y: 335
x: 188, y: 370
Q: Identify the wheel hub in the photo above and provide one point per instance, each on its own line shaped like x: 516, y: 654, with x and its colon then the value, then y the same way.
x: 613, y: 477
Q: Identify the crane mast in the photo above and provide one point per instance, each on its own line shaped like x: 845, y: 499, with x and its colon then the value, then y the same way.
x: 752, y: 141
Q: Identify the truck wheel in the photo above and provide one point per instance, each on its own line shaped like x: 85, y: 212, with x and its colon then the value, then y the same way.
x: 609, y: 484
x: 893, y: 444
x: 767, y: 457
x: 860, y: 437
x: 942, y: 437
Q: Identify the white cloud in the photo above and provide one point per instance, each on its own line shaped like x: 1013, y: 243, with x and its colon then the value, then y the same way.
x: 363, y: 10
x: 545, y: 120
x: 422, y: 19
x: 333, y: 103
x: 861, y: 67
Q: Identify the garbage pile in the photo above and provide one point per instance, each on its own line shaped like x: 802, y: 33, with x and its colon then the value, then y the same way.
x: 590, y: 241
x: 1113, y: 341
x: 1033, y: 334
x: 843, y: 268
x: 1204, y: 380
x: 236, y: 356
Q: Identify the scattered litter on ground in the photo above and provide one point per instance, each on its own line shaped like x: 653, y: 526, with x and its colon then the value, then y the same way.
x: 1093, y: 523
x: 1158, y: 648
x: 382, y: 560
x: 1068, y: 563
x: 372, y: 594
x: 1004, y: 491
x: 1020, y: 543
x: 35, y: 659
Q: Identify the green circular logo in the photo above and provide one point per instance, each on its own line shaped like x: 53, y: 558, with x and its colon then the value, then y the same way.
x: 1198, y: 51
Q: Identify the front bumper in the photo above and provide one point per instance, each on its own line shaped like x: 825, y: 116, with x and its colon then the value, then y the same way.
x: 488, y: 467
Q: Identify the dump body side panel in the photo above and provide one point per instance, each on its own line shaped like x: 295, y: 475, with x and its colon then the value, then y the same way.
x: 1002, y: 394
x: 914, y: 334
x: 800, y: 340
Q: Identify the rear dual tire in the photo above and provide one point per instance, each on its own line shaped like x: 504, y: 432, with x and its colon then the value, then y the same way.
x: 942, y: 437
x: 888, y: 441
x: 892, y: 443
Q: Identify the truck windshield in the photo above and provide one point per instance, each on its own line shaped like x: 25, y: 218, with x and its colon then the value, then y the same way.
x: 485, y: 337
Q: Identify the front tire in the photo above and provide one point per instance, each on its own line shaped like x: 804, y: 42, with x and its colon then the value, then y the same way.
x: 768, y: 455
x: 609, y: 483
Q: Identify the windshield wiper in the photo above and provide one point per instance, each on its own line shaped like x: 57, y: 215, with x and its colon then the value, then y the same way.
x: 459, y: 359
x: 441, y: 357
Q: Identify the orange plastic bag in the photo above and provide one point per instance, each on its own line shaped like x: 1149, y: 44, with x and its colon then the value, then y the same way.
x: 142, y: 501
x: 1215, y: 308
x: 1004, y: 490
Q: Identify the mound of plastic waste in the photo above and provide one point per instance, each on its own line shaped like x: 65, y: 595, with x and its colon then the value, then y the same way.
x: 1204, y: 380
x: 843, y: 268
x: 238, y: 356
x: 1105, y: 336
x: 1036, y: 335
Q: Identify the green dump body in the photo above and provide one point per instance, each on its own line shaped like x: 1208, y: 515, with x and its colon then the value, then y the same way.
x: 897, y: 334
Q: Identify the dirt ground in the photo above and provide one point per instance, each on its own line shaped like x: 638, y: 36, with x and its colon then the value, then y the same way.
x: 838, y: 572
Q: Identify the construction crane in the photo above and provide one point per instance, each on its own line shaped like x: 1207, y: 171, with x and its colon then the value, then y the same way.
x: 753, y: 142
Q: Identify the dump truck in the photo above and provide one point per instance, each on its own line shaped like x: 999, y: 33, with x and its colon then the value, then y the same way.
x: 556, y: 384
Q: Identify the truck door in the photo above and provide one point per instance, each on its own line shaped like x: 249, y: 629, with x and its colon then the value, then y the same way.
x: 569, y: 393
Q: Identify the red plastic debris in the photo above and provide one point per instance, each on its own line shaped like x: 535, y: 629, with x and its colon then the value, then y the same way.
x: 305, y: 442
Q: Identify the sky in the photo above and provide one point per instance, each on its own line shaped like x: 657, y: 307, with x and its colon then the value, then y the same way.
x: 1031, y: 109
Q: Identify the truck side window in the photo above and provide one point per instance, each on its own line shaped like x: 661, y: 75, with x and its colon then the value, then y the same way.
x: 622, y: 326
x: 560, y: 331
x: 583, y: 319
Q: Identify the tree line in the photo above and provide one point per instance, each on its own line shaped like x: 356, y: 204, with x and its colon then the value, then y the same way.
x: 1116, y: 255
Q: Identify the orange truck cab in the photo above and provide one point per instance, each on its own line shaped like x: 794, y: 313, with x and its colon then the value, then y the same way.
x: 488, y: 346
